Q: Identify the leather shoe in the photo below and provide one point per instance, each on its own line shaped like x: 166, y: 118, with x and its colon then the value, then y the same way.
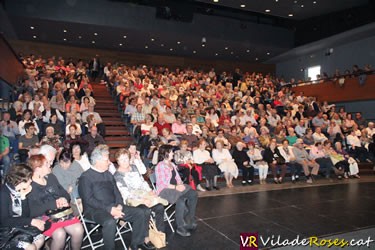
x: 216, y: 187
x: 182, y: 232
x: 146, y: 246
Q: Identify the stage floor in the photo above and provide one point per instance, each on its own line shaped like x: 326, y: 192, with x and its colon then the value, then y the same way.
x: 307, y: 211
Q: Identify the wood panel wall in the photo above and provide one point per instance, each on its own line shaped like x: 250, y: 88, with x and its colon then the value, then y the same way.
x: 332, y: 92
x: 128, y: 58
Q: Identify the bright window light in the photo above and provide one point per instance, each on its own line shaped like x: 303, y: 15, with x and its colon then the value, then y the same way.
x: 312, y: 72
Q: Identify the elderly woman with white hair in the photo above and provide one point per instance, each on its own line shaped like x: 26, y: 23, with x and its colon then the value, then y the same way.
x: 342, y: 159
x: 225, y: 162
x: 244, y: 162
x: 256, y: 156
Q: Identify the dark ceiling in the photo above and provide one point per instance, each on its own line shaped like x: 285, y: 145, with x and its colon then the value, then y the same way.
x: 292, y: 9
x: 232, y: 32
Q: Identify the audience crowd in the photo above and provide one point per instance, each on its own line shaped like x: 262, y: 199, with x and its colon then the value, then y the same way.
x: 190, y: 127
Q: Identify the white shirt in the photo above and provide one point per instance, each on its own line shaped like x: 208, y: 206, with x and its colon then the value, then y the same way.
x: 287, y: 154
x: 219, y: 157
x: 200, y: 156
x: 353, y: 141
x: 319, y: 137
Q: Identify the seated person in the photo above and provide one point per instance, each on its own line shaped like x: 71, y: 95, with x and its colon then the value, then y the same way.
x: 56, y: 124
x: 135, y: 190
x: 93, y: 139
x: 47, y: 194
x: 256, y: 156
x: 356, y: 149
x: 245, y: 163
x: 318, y: 154
x: 308, y: 138
x: 287, y: 152
x: 170, y: 187
x: 347, y: 162
x: 52, y: 139
x: 190, y: 172
x: 190, y: 137
x: 73, y: 121
x: 202, y: 158
x: 4, y: 153
x: 15, y: 210
x: 67, y: 173
x: 275, y: 160
x: 178, y: 128
x: 103, y: 203
x: 225, y: 162
x: 303, y: 158
x: 97, y: 121
x: 26, y: 141
x: 169, y: 138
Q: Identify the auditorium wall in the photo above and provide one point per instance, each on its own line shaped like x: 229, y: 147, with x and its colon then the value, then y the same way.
x: 128, y: 58
x: 360, y: 52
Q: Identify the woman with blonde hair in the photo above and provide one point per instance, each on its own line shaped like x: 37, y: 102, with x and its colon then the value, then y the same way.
x: 225, y: 162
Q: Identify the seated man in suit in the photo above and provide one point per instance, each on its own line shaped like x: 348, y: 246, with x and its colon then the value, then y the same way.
x: 103, y: 203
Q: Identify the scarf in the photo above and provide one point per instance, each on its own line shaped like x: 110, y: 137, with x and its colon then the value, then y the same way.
x: 16, y: 201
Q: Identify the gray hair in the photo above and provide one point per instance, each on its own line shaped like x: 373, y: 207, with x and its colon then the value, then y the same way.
x: 45, y: 149
x: 98, y: 153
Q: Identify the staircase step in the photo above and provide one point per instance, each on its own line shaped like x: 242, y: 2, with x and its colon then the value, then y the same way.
x: 117, y: 132
x: 114, y: 123
x: 119, y: 138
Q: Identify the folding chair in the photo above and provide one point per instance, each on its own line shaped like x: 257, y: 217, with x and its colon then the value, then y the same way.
x: 120, y: 229
x: 167, y: 217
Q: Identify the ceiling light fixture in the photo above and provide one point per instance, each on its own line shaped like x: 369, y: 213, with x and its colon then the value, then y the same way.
x: 120, y: 44
x: 267, y: 10
x: 162, y: 45
x: 302, y: 5
x: 34, y: 37
x: 248, y: 51
x: 216, y: 1
x: 152, y: 39
x: 32, y: 27
x: 125, y: 36
x: 314, y: 2
x: 171, y: 49
x: 92, y: 42
x: 216, y: 54
x: 79, y: 37
x: 194, y: 51
x: 65, y: 31
x: 146, y: 47
x: 242, y: 6
x: 226, y: 48
x: 95, y: 34
x: 256, y: 59
x: 64, y: 39
x: 290, y: 14
x: 268, y: 53
x: 203, y: 45
x: 178, y: 42
x: 231, y: 52
x: 276, y: 1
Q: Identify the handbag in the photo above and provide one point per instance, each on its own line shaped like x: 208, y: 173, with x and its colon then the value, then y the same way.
x: 60, y: 214
x: 10, y: 236
x: 157, y: 238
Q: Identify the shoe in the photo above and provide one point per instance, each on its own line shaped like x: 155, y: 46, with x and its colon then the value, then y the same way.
x: 280, y: 180
x: 276, y: 181
x: 243, y: 183
x: 346, y: 175
x: 357, y: 176
x: 199, y: 188
x: 297, y: 178
x: 293, y: 179
x: 216, y: 187
x: 249, y: 182
x: 339, y: 177
x: 182, y: 232
x: 208, y: 188
x: 192, y: 226
x: 309, y: 181
x: 144, y: 246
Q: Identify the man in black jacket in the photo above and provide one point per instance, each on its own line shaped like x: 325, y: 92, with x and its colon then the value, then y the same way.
x: 103, y: 203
